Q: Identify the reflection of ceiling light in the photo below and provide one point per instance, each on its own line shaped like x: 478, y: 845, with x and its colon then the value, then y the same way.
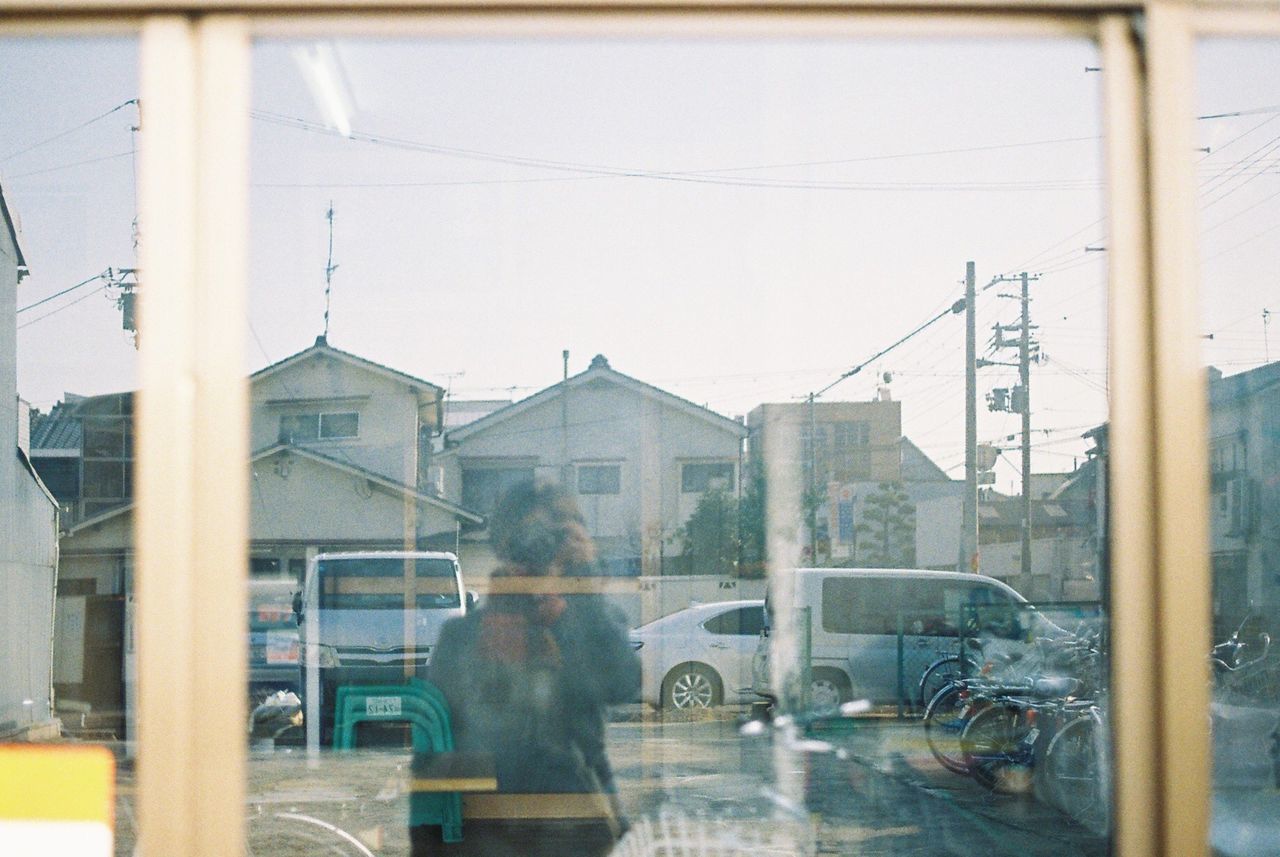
x: 321, y: 70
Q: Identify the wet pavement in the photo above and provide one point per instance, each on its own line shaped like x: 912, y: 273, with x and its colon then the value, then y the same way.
x: 876, y: 791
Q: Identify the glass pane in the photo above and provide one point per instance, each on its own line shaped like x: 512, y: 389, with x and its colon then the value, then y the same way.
x: 68, y: 254
x: 641, y: 333
x: 1239, y: 245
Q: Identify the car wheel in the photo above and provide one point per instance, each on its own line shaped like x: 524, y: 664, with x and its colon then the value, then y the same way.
x: 691, y: 686
x: 827, y: 689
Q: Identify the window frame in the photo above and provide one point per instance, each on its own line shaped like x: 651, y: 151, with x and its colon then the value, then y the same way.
x: 193, y: 416
x: 596, y: 467
x: 731, y: 488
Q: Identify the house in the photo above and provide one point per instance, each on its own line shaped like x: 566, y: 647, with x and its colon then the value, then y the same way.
x: 55, y: 450
x: 341, y: 459
x: 639, y: 459
x: 29, y: 521
x: 1244, y: 465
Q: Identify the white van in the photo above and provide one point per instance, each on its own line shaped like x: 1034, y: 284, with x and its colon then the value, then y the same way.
x: 371, y: 618
x: 855, y: 614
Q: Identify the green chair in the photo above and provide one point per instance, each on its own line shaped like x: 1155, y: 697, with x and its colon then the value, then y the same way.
x: 423, y: 707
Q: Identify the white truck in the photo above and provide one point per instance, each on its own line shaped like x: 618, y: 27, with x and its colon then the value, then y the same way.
x: 368, y: 618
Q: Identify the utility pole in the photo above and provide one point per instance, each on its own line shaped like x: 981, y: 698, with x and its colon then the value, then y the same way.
x: 969, y: 522
x: 566, y: 476
x: 1024, y: 375
x: 811, y: 499
x: 1019, y: 399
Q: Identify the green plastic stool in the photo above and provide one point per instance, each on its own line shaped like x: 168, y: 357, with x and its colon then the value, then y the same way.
x: 422, y: 706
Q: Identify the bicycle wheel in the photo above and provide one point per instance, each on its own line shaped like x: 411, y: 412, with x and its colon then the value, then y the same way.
x: 940, y: 674
x: 997, y: 743
x: 944, y: 720
x: 291, y: 834
x: 1076, y: 773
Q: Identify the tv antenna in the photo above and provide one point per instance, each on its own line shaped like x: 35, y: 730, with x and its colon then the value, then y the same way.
x: 329, y: 268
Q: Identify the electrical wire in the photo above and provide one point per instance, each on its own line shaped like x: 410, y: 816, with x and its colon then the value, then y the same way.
x: 67, y: 305
x: 61, y: 167
x: 697, y: 177
x: 67, y: 290
x: 62, y: 134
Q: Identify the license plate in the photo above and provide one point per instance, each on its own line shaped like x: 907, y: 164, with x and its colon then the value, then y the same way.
x: 382, y: 705
x: 281, y: 648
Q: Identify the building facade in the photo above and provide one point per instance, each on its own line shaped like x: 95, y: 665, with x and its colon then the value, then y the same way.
x: 639, y: 459
x: 1244, y: 461
x: 29, y: 521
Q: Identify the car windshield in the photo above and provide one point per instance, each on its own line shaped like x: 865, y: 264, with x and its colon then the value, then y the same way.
x: 379, y: 583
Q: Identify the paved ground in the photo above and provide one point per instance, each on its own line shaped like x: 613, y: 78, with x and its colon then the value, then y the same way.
x: 877, y: 792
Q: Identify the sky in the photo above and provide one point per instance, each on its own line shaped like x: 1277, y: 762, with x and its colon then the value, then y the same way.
x: 737, y: 222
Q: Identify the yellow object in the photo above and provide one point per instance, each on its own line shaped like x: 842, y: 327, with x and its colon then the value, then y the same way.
x: 56, y: 800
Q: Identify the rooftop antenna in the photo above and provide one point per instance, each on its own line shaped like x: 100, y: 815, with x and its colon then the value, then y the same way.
x: 1266, y: 344
x: 329, y: 268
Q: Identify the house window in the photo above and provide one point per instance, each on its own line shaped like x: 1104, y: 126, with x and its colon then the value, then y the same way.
x: 483, y: 486
x: 300, y: 428
x: 339, y: 425
x: 695, y: 478
x: 599, y: 479
x: 845, y: 435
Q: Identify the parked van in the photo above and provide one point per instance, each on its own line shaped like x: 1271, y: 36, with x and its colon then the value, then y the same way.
x: 273, y: 638
x: 371, y: 618
x: 855, y: 615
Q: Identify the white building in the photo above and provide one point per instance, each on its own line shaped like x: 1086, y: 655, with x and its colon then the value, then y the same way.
x: 341, y: 450
x: 29, y: 521
x: 639, y: 459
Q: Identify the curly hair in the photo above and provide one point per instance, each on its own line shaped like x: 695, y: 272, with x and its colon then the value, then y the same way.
x: 527, y: 525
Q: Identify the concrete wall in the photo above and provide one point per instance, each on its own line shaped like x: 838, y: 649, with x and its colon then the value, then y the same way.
x: 1062, y: 568
x: 28, y: 571
x: 28, y: 548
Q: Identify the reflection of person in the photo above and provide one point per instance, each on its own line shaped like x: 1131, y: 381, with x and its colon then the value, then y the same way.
x: 528, y: 677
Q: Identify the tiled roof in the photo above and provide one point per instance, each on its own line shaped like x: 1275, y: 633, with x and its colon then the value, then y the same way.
x: 55, y: 430
x: 374, y: 476
x: 599, y: 370
x: 1242, y: 384
x: 322, y: 346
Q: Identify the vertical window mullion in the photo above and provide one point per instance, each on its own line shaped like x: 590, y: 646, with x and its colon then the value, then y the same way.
x: 192, y: 436
x: 1130, y: 478
x: 1180, y: 428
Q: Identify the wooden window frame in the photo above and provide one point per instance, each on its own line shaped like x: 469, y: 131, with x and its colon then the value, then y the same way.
x: 193, y: 416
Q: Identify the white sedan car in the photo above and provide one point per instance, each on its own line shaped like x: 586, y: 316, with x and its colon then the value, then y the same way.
x: 701, y: 656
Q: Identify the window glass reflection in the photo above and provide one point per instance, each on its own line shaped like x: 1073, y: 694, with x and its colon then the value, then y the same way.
x: 1238, y: 245
x: 665, y: 344
x: 68, y: 260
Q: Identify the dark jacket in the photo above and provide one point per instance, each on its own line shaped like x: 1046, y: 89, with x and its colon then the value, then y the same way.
x: 536, y: 701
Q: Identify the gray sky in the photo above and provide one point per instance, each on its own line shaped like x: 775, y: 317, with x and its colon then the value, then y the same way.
x: 633, y: 198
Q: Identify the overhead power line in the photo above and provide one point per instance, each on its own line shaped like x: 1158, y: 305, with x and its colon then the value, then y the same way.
x: 67, y: 305
x: 69, y: 131
x: 707, y: 176
x: 67, y: 290
x: 955, y: 308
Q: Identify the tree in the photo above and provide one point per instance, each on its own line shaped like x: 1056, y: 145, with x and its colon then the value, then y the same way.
x: 709, y: 538
x: 751, y: 519
x: 887, y: 533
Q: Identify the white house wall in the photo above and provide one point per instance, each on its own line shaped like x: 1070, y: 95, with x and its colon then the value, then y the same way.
x: 600, y: 422
x: 28, y: 570
x: 28, y: 550
x: 307, y: 501
x: 388, y: 409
